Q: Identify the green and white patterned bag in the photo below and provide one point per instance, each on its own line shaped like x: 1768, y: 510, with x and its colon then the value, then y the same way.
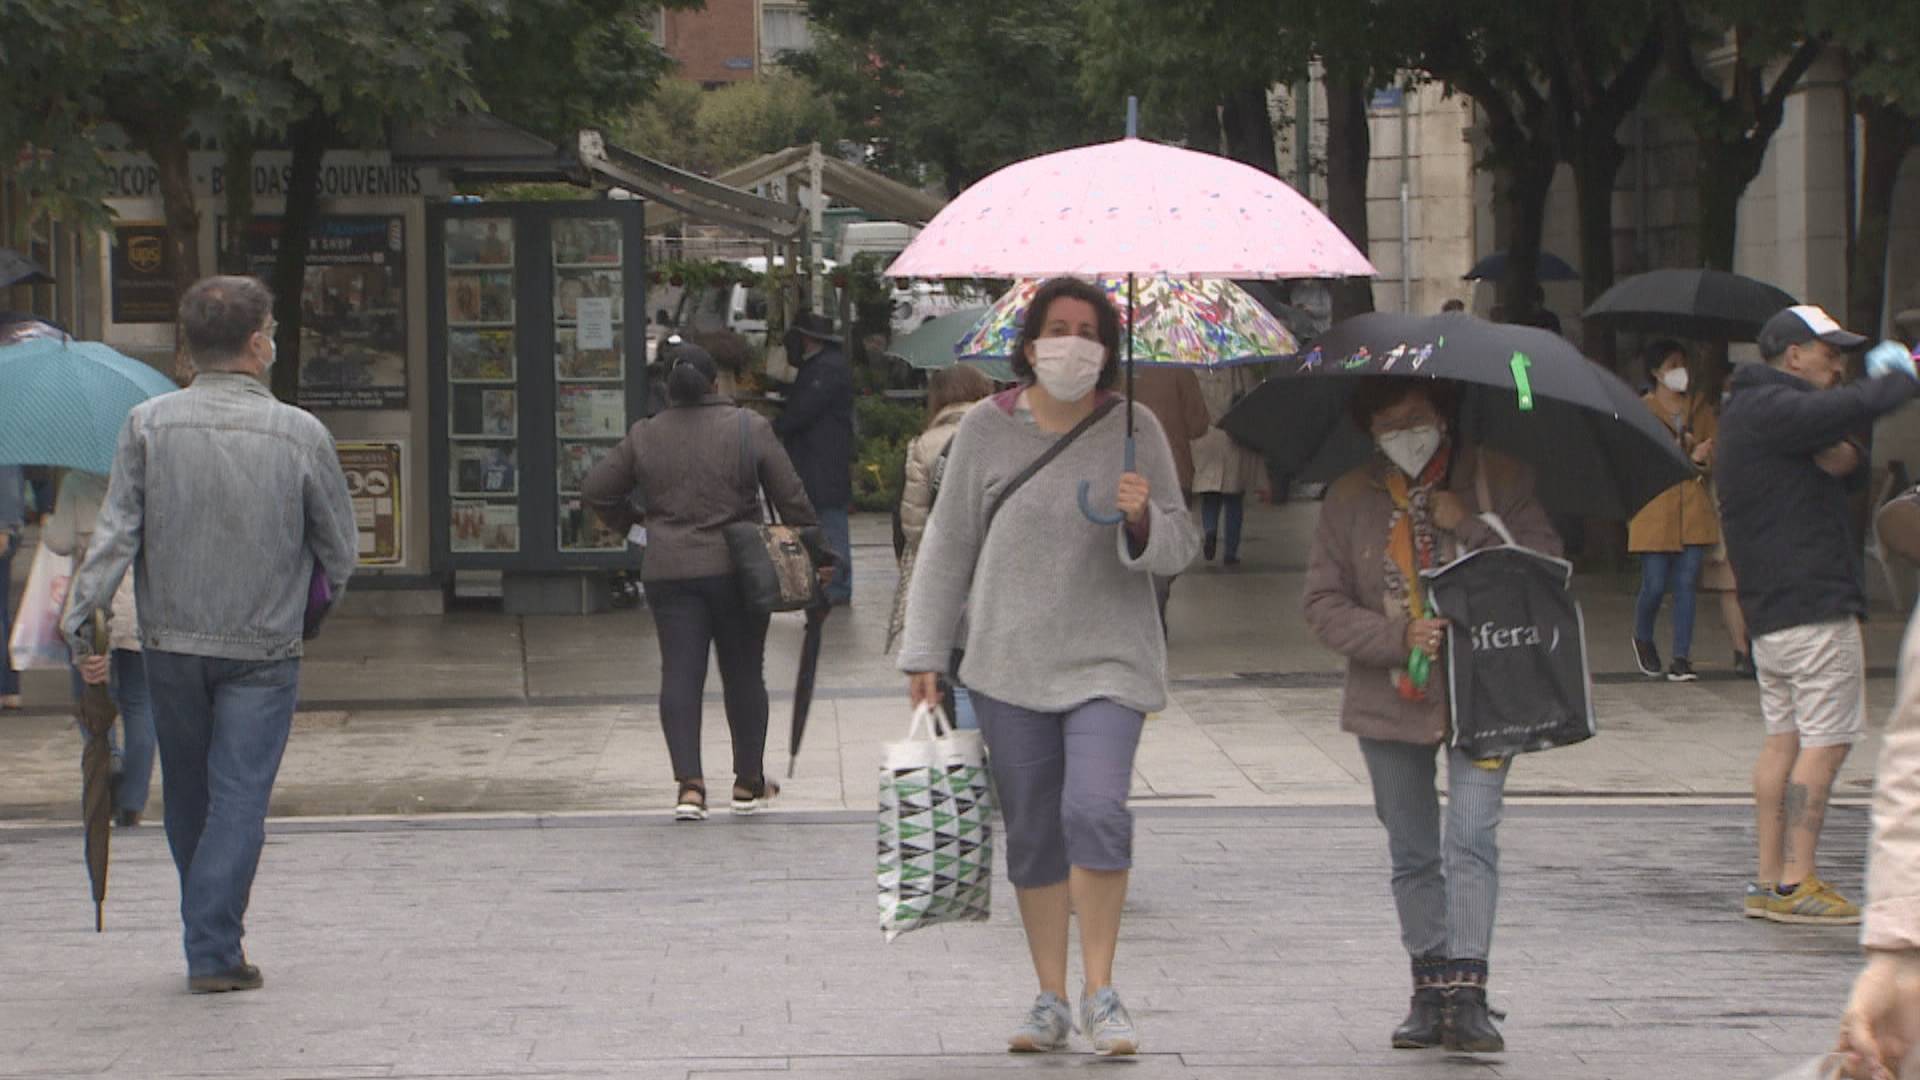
x: 936, y: 827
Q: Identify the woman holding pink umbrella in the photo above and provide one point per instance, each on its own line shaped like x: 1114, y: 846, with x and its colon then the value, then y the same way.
x: 1064, y: 656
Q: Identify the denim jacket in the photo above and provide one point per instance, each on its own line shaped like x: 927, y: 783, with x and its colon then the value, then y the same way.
x: 225, y: 499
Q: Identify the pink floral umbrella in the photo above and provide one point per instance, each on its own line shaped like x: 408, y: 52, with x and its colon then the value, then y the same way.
x: 1130, y: 207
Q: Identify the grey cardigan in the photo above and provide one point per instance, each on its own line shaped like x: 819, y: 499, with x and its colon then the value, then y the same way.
x: 1060, y: 611
x: 692, y: 474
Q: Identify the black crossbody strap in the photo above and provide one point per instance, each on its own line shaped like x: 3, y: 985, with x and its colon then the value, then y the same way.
x: 1059, y: 447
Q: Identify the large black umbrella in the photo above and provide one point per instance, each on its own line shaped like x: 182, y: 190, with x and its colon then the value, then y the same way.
x: 1596, y: 448
x: 1706, y: 305
x: 1548, y: 267
x: 17, y: 269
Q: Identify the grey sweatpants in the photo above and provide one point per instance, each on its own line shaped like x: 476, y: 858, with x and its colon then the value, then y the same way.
x: 1062, y: 779
x: 1446, y: 890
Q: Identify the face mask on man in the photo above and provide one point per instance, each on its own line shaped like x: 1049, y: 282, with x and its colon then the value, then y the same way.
x: 1411, y: 449
x: 1675, y: 379
x: 1068, y: 368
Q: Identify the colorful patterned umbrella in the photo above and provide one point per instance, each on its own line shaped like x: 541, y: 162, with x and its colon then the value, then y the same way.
x: 1174, y: 322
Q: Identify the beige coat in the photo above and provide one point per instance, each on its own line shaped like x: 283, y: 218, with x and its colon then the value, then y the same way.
x: 1684, y: 514
x: 1892, y: 917
x: 1173, y: 394
x: 1219, y: 463
x: 1346, y: 586
x: 916, y: 501
x: 76, y: 508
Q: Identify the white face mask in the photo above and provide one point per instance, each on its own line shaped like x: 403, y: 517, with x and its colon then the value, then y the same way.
x: 1411, y: 449
x: 1068, y: 367
x: 1675, y: 379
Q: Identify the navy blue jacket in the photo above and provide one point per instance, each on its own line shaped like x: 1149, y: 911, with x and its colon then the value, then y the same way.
x: 1786, y: 523
x: 817, y: 428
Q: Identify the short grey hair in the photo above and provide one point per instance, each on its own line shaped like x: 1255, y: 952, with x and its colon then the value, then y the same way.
x: 219, y: 315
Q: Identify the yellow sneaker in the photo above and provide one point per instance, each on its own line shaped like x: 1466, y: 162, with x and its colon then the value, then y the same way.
x: 1813, y: 902
x: 1758, y: 893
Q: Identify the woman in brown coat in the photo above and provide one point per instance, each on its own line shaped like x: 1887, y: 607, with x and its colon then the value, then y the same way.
x: 1417, y: 505
x: 1673, y: 533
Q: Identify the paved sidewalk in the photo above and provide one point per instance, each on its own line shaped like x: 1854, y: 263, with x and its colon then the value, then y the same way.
x: 1259, y: 943
x: 482, y: 713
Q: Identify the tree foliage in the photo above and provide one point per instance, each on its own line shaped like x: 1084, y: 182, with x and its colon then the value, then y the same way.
x: 951, y: 92
x: 709, y: 131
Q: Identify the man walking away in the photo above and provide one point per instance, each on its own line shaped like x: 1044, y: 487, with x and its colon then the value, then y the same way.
x: 1784, y: 451
x: 228, y: 503
x: 817, y: 428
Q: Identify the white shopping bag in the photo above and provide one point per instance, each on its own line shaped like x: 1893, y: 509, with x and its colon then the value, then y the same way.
x: 37, y: 641
x: 936, y: 827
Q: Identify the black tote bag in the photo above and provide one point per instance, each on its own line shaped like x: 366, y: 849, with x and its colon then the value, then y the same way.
x: 1517, y: 676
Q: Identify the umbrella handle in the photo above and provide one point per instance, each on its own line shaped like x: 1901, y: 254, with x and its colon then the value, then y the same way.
x: 1086, y: 493
x: 100, y: 637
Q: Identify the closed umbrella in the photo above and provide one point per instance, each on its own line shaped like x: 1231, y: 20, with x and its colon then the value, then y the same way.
x: 1596, y: 449
x: 97, y: 715
x: 63, y: 402
x: 803, y: 685
x: 1706, y: 305
x: 1131, y: 207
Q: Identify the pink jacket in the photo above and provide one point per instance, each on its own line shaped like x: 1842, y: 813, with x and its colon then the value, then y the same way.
x: 1892, y: 918
x: 1346, y: 585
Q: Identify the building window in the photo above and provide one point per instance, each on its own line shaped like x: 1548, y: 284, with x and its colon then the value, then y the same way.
x: 784, y: 29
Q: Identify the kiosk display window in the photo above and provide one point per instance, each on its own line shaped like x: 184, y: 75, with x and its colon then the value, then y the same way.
x: 483, y: 408
x: 589, y: 367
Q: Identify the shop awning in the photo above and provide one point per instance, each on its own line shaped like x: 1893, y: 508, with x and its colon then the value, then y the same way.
x: 843, y: 182
x: 474, y: 147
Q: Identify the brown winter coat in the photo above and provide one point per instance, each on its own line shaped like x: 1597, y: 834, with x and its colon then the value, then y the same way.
x: 1684, y: 514
x: 1346, y: 585
x: 1174, y: 396
x: 692, y: 473
x: 1219, y: 463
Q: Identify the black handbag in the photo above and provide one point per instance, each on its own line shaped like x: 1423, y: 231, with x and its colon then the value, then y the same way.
x: 776, y: 564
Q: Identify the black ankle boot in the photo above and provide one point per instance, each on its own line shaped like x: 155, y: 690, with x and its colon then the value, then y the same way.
x: 1426, y: 1022
x: 1470, y: 1029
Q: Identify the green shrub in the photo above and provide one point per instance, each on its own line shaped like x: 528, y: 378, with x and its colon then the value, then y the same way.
x: 889, y: 421
x: 879, y: 465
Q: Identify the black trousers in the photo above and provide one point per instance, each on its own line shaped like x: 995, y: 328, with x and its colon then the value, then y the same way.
x: 693, y: 615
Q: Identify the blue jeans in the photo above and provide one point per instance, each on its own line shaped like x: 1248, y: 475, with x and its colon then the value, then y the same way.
x: 1236, y: 507
x: 1662, y: 572
x: 838, y: 530
x: 222, y: 727
x: 135, y: 702
x: 1446, y: 886
x: 9, y: 678
x: 964, y: 717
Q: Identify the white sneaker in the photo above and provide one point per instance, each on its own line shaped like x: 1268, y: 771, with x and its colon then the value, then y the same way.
x: 1048, y: 1024
x: 1107, y: 1024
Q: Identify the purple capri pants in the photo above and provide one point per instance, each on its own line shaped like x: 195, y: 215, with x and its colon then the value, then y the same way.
x: 1062, y: 780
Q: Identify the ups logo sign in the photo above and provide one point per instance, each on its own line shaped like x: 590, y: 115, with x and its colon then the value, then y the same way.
x: 145, y: 254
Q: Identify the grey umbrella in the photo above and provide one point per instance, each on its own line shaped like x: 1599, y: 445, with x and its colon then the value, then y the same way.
x: 1706, y: 305
x: 17, y: 269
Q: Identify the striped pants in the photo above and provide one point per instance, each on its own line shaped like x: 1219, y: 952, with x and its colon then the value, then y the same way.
x: 1446, y: 890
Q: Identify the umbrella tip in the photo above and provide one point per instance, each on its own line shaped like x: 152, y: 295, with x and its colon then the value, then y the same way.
x: 792, y: 761
x: 1133, y: 116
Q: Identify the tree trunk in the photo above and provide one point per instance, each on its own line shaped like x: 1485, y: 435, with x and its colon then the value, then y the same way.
x: 1249, y: 128
x: 164, y: 138
x: 1595, y: 167
x: 237, y: 180
x: 1522, y: 204
x: 309, y: 138
x: 1889, y: 135
x: 1349, y: 152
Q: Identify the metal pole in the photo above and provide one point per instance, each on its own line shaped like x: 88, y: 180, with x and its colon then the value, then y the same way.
x: 1406, y: 204
x: 817, y: 218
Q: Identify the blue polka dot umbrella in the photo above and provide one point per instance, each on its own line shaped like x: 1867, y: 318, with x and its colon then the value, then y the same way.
x: 63, y: 402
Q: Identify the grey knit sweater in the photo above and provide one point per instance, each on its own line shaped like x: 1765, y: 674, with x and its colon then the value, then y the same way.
x: 1059, y: 610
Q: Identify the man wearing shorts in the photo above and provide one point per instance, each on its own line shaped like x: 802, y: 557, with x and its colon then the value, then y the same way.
x: 1785, y: 451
